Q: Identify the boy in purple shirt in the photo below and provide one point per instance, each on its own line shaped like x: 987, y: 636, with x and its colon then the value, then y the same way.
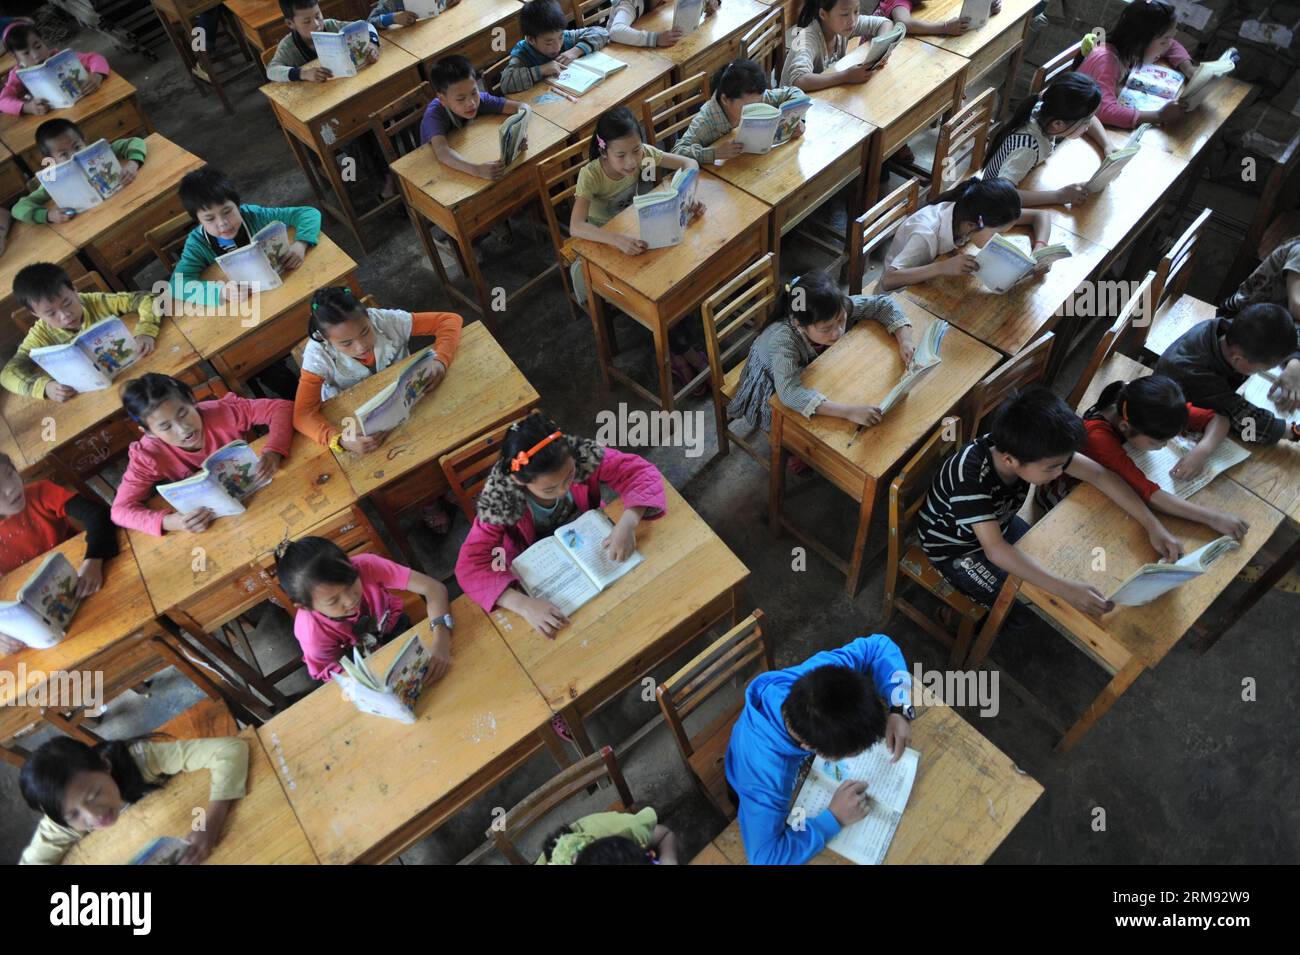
x: 459, y: 100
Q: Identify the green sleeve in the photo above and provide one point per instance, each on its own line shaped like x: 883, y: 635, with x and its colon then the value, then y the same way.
x: 133, y: 148
x: 23, y: 376
x: 226, y: 758
x: 31, y: 207
x: 304, y: 220
x: 186, y: 284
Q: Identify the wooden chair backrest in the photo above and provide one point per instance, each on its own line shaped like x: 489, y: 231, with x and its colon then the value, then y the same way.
x: 877, y: 226
x: 666, y: 115
x: 732, y: 315
x: 1063, y: 62
x: 490, y: 78
x: 557, y: 178
x: 167, y: 239
x: 466, y: 468
x: 269, y: 54
x: 964, y: 137
x: 1174, y: 270
x: 764, y: 42
x: 591, y: 13
x: 1022, y: 370
x: 1136, y: 313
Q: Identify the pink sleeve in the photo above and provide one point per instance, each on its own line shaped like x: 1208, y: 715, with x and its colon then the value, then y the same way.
x: 135, y: 488
x: 322, y: 660
x: 637, y: 481
x: 94, y: 62
x: 1177, y: 54
x: 11, y: 97
x: 474, y: 565
x: 384, y: 572
x: 887, y: 7
x: 275, y: 413
x: 1104, y: 67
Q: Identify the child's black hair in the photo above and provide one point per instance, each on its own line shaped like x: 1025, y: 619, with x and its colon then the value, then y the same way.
x: 613, y: 850
x: 739, y: 78
x: 613, y: 124
x: 1036, y: 424
x: 451, y: 69
x: 302, y: 564
x: 1154, y: 406
x: 810, y: 299
x: 205, y: 188
x: 522, y: 436
x: 1067, y: 99
x: 52, y: 129
x: 541, y: 16
x: 835, y: 710
x: 19, y: 36
x: 1264, y: 332
x: 290, y: 7
x: 808, y: 13
x: 48, y: 771
x: 41, y: 281
x: 332, y: 305
x: 142, y: 396
x: 982, y: 202
x: 1139, y: 23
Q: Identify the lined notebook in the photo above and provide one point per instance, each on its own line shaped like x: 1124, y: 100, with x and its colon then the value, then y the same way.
x: 1156, y: 465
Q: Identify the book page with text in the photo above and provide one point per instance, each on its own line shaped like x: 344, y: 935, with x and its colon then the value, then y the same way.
x: 548, y: 573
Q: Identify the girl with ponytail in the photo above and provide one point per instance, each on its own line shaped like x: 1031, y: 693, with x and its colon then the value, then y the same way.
x: 1143, y: 35
x: 821, y: 38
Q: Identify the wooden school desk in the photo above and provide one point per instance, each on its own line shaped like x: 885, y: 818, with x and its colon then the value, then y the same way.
x: 967, y: 797
x: 482, y: 31
x: 320, y: 119
x: 714, y: 44
x: 797, y: 178
x: 690, y: 581
x: 646, y: 73
x: 482, y: 390
x: 1127, y: 640
x: 263, y: 25
x: 862, y: 367
x: 111, y: 112
x: 238, y: 351
x: 366, y: 788
x: 1001, y: 39
x: 1189, y: 138
x: 261, y: 828
x: 13, y: 179
x: 27, y: 244
x: 660, y: 287
x: 919, y: 84
x: 465, y: 206
x: 112, y: 234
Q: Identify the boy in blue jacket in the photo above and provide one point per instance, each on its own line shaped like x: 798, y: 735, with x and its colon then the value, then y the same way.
x: 830, y: 705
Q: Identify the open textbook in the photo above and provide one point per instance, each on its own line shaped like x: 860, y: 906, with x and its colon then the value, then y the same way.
x: 687, y: 15
x: 392, y: 404
x: 1201, y: 82
x: 345, y: 52
x: 1156, y: 465
x: 763, y: 126
x: 924, y: 359
x: 1151, y: 86
x: 40, y: 615
x: 978, y: 11
x: 888, y: 785
x: 1154, y: 580
x: 571, y: 567
x: 662, y: 215
x: 585, y: 72
x: 1256, y: 389
x: 228, y: 476
x: 261, y: 262
x: 165, y: 850
x: 881, y: 46
x: 92, y: 360
x: 60, y: 81
x: 396, y: 694
x: 86, y: 180
x: 512, y: 133
x: 1003, y: 263
x: 1113, y: 164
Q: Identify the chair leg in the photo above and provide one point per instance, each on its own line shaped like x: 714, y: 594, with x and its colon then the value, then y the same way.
x: 993, y: 623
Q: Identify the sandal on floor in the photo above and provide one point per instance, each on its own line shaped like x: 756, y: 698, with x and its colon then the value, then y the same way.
x: 561, y: 728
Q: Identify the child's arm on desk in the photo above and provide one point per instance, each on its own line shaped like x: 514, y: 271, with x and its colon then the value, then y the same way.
x: 1008, y: 557
x: 101, y: 540
x: 449, y: 157
x: 580, y: 228
x: 304, y: 220
x: 435, y: 599
x: 137, y: 485
x: 273, y: 413
x: 1109, y: 483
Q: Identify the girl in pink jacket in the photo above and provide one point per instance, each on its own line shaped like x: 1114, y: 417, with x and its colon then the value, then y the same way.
x: 24, y: 41
x: 1144, y: 34
x: 543, y: 480
x: 178, y: 434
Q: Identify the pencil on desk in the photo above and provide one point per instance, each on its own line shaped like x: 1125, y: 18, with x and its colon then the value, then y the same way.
x: 557, y: 90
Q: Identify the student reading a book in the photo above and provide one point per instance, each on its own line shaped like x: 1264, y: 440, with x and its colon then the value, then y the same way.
x: 900, y: 11
x: 829, y: 705
x: 1143, y: 34
x: 1276, y: 280
x: 735, y: 86
x: 59, y: 140
x: 390, y: 13
x: 821, y: 38
x: 627, y: 12
x: 179, y: 433
x: 547, y: 47
x: 970, y: 213
x: 1212, y: 359
x: 24, y: 41
x: 611, y: 838
x: 345, y: 602
x: 297, y: 49
x: 458, y: 102
x: 35, y: 518
x: 79, y: 789
x: 814, y: 313
x: 1148, y: 413
x: 62, y: 313
x: 544, y: 479
x: 969, y: 525
x: 1065, y: 109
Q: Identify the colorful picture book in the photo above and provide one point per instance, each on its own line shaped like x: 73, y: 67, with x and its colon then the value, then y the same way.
x: 396, y: 694
x: 585, y: 72
x: 92, y: 360
x: 1150, y: 86
x: 687, y: 15
x: 84, y: 181
x: 1157, y: 464
x: 1155, y: 580
x: 166, y: 850
x: 1113, y: 164
x: 662, y: 215
x: 60, y: 81
x: 571, y: 567
x: 924, y: 360
x: 343, y: 53
x: 259, y: 264
x: 392, y: 404
x: 40, y: 614
x: 512, y: 134
x: 763, y: 127
x: 881, y: 46
x: 1003, y: 263
x: 227, y: 478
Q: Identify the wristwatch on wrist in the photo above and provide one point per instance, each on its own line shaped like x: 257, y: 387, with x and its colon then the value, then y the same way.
x: 445, y: 620
x: 906, y: 712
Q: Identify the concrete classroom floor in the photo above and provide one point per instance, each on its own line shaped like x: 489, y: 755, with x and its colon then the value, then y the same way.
x: 1185, y: 770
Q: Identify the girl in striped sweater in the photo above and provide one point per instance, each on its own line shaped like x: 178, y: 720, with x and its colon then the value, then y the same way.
x: 735, y: 86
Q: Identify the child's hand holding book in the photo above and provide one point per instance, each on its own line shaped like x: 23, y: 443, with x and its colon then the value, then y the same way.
x: 130, y: 169
x: 314, y: 74
x: 404, y: 18
x: 850, y: 802
x: 195, y: 522
x: 963, y: 263
x: 492, y: 170
x: 57, y: 392
x: 1086, y: 599
x: 1076, y: 194
x: 294, y: 257
x: 267, y: 465
x: 93, y: 82
x: 35, y: 107
x: 629, y: 245
x: 90, y: 576
x: 144, y: 345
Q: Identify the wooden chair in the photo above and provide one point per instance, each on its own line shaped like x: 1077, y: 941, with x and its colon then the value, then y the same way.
x: 667, y: 114
x: 877, y: 226
x: 168, y: 239
x: 1065, y: 61
x: 1175, y: 312
x: 1275, y: 219
x: 268, y: 55
x: 234, y: 57
x: 963, y: 137
x: 741, y: 653
x: 507, y: 830
x: 1024, y: 369
x: 591, y: 13
x: 764, y: 43
x: 397, y: 123
x: 466, y: 468
x: 732, y: 316
x: 557, y: 178
x: 1135, y: 313
x: 490, y: 78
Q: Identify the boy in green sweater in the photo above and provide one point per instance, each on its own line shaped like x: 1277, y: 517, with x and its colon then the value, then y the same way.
x: 59, y: 140
x: 62, y: 314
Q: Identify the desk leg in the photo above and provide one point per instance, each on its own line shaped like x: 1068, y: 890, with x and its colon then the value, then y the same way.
x: 557, y: 747
x: 662, y: 362
x: 875, y: 157
x: 303, y: 155
x: 577, y: 729
x: 231, y: 698
x: 469, y: 262
x: 335, y: 179
x: 776, y: 479
x: 1009, y: 84
x: 231, y: 661
x: 992, y: 624
x: 600, y: 325
x: 1104, y: 701
x: 856, y: 555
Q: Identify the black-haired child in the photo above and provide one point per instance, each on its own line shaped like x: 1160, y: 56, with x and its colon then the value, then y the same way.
x: 820, y: 39
x: 611, y: 838
x: 24, y: 41
x: 735, y: 86
x: 59, y: 140
x: 459, y: 100
x: 289, y: 62
x: 547, y: 47
x: 901, y: 11
x: 393, y: 13
x: 1144, y: 33
x: 627, y: 12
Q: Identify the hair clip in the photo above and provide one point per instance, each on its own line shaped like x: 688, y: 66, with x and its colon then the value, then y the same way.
x: 979, y: 222
x: 520, y: 460
x: 600, y: 143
